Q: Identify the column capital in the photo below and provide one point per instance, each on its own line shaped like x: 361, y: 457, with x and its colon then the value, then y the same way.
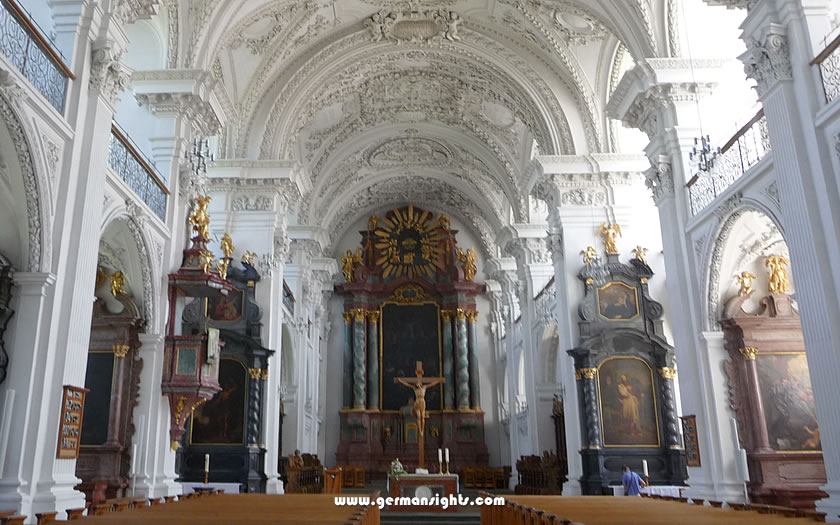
x: 585, y: 373
x: 668, y: 372
x: 194, y: 94
x: 749, y: 352
x: 109, y: 76
x: 33, y: 283
x: 767, y: 60
x: 659, y: 178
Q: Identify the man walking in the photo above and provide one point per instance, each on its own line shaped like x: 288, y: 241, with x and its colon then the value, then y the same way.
x: 632, y: 482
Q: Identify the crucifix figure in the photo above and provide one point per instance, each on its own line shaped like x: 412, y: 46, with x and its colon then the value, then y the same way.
x: 419, y: 384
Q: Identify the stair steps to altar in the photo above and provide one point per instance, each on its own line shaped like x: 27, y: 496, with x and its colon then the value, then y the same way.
x: 424, y: 518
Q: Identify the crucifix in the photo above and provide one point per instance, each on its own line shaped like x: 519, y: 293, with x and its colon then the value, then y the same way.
x: 419, y: 384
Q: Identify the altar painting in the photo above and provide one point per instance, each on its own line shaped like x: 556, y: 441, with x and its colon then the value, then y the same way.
x: 788, y: 399
x: 410, y: 333
x: 221, y: 421
x: 628, y: 404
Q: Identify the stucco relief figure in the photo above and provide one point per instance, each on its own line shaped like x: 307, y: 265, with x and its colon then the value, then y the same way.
x: 375, y: 26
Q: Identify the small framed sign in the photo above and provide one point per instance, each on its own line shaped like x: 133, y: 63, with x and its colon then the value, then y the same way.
x: 70, y: 426
x: 692, y: 445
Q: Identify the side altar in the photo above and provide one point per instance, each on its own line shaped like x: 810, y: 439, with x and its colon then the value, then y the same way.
x: 409, y: 302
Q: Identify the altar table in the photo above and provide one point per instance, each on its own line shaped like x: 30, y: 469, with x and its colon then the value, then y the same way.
x: 424, y: 486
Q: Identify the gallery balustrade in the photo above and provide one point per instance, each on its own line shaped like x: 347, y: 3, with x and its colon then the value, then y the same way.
x: 127, y: 162
x: 31, y: 53
x: 829, y: 64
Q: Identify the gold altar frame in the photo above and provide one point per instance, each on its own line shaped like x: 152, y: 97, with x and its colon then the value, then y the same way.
x: 381, y: 348
x: 655, y: 403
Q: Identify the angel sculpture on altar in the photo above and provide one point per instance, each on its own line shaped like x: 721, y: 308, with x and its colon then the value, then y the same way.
x: 609, y: 231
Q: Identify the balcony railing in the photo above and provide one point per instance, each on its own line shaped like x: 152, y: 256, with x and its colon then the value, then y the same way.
x: 26, y: 48
x: 743, y: 151
x: 135, y: 171
x: 829, y: 63
x: 288, y: 298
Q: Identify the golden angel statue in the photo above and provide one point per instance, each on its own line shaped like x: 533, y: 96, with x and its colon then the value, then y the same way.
x: 227, y: 245
x: 200, y: 219
x: 609, y: 232
x: 640, y: 253
x: 468, y: 258
x: 778, y: 282
x: 373, y: 222
x: 745, y: 280
x: 589, y: 255
x: 248, y: 257
x: 117, y: 284
x: 348, y: 264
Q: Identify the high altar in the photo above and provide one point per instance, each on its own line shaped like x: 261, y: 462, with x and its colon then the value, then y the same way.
x: 409, y: 297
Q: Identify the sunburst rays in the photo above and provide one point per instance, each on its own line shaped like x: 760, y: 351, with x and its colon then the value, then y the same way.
x: 408, y: 242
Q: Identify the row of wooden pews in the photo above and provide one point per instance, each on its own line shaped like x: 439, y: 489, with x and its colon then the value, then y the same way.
x: 513, y: 513
x: 486, y: 477
x: 789, y: 512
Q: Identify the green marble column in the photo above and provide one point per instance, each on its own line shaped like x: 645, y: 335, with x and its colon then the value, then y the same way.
x: 462, y: 387
x: 448, y: 356
x: 347, y: 378
x: 373, y: 360
x: 472, y: 345
x: 359, y: 384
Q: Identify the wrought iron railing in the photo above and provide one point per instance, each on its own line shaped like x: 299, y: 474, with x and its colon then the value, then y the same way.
x: 829, y: 63
x: 743, y: 151
x: 288, y: 298
x: 135, y: 171
x: 26, y: 48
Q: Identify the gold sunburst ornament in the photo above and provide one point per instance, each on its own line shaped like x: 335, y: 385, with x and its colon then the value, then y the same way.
x: 408, y: 242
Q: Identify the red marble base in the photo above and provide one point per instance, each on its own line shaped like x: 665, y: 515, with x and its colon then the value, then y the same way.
x: 787, y: 479
x: 372, y: 439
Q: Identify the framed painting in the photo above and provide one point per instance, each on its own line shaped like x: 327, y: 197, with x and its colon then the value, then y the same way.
x: 785, y: 387
x: 628, y: 403
x: 618, y: 302
x: 226, y: 308
x: 221, y: 421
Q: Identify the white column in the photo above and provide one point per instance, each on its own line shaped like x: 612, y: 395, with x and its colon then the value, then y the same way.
x: 778, y: 58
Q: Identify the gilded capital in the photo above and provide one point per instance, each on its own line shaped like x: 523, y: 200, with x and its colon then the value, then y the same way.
x: 667, y: 372
x: 359, y: 314
x: 460, y: 314
x: 472, y: 316
x: 348, y: 317
x: 749, y: 352
x: 256, y: 373
x: 120, y: 350
x: 446, y: 315
x: 585, y: 373
x: 373, y: 316
x: 265, y: 374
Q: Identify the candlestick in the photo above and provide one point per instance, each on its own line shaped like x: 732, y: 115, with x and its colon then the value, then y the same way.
x: 206, y: 468
x: 447, y: 461
x: 134, y: 459
x: 440, y: 456
x: 644, y: 467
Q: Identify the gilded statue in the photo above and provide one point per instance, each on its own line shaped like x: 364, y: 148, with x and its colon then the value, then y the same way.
x: 589, y: 255
x: 640, y: 253
x: 348, y: 264
x: 248, y: 257
x: 373, y: 222
x: 227, y: 245
x: 200, y: 219
x: 206, y: 260
x: 468, y: 257
x: 745, y: 280
x: 117, y: 284
x: 778, y: 282
x: 609, y: 231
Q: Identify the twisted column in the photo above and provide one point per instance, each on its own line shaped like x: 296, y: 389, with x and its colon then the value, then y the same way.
x: 586, y: 377
x: 462, y: 365
x: 347, y: 377
x: 359, y: 385
x: 373, y: 360
x: 254, y: 396
x: 669, y: 411
x: 475, y: 394
x: 448, y: 368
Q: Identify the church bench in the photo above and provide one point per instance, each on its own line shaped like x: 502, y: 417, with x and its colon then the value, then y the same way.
x: 45, y: 517
x: 333, y: 480
x: 15, y: 519
x: 74, y: 514
x: 99, y: 509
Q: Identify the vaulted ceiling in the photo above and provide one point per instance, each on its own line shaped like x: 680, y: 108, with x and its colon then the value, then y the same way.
x: 456, y: 94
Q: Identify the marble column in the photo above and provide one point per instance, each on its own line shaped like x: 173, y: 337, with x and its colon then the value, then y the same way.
x: 347, y: 361
x: 359, y: 372
x: 462, y: 369
x: 475, y: 394
x: 669, y: 408
x: 762, y: 439
x: 448, y: 357
x: 373, y: 360
x: 588, y: 389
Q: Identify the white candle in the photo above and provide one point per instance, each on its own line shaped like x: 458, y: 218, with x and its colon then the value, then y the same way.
x: 644, y: 467
x: 134, y: 459
x: 206, y: 462
x: 447, y: 455
x: 440, y: 456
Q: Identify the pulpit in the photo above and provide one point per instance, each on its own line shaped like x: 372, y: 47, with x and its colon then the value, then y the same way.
x: 424, y: 488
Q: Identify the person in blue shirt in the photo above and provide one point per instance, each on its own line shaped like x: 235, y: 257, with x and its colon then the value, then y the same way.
x: 633, y: 483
